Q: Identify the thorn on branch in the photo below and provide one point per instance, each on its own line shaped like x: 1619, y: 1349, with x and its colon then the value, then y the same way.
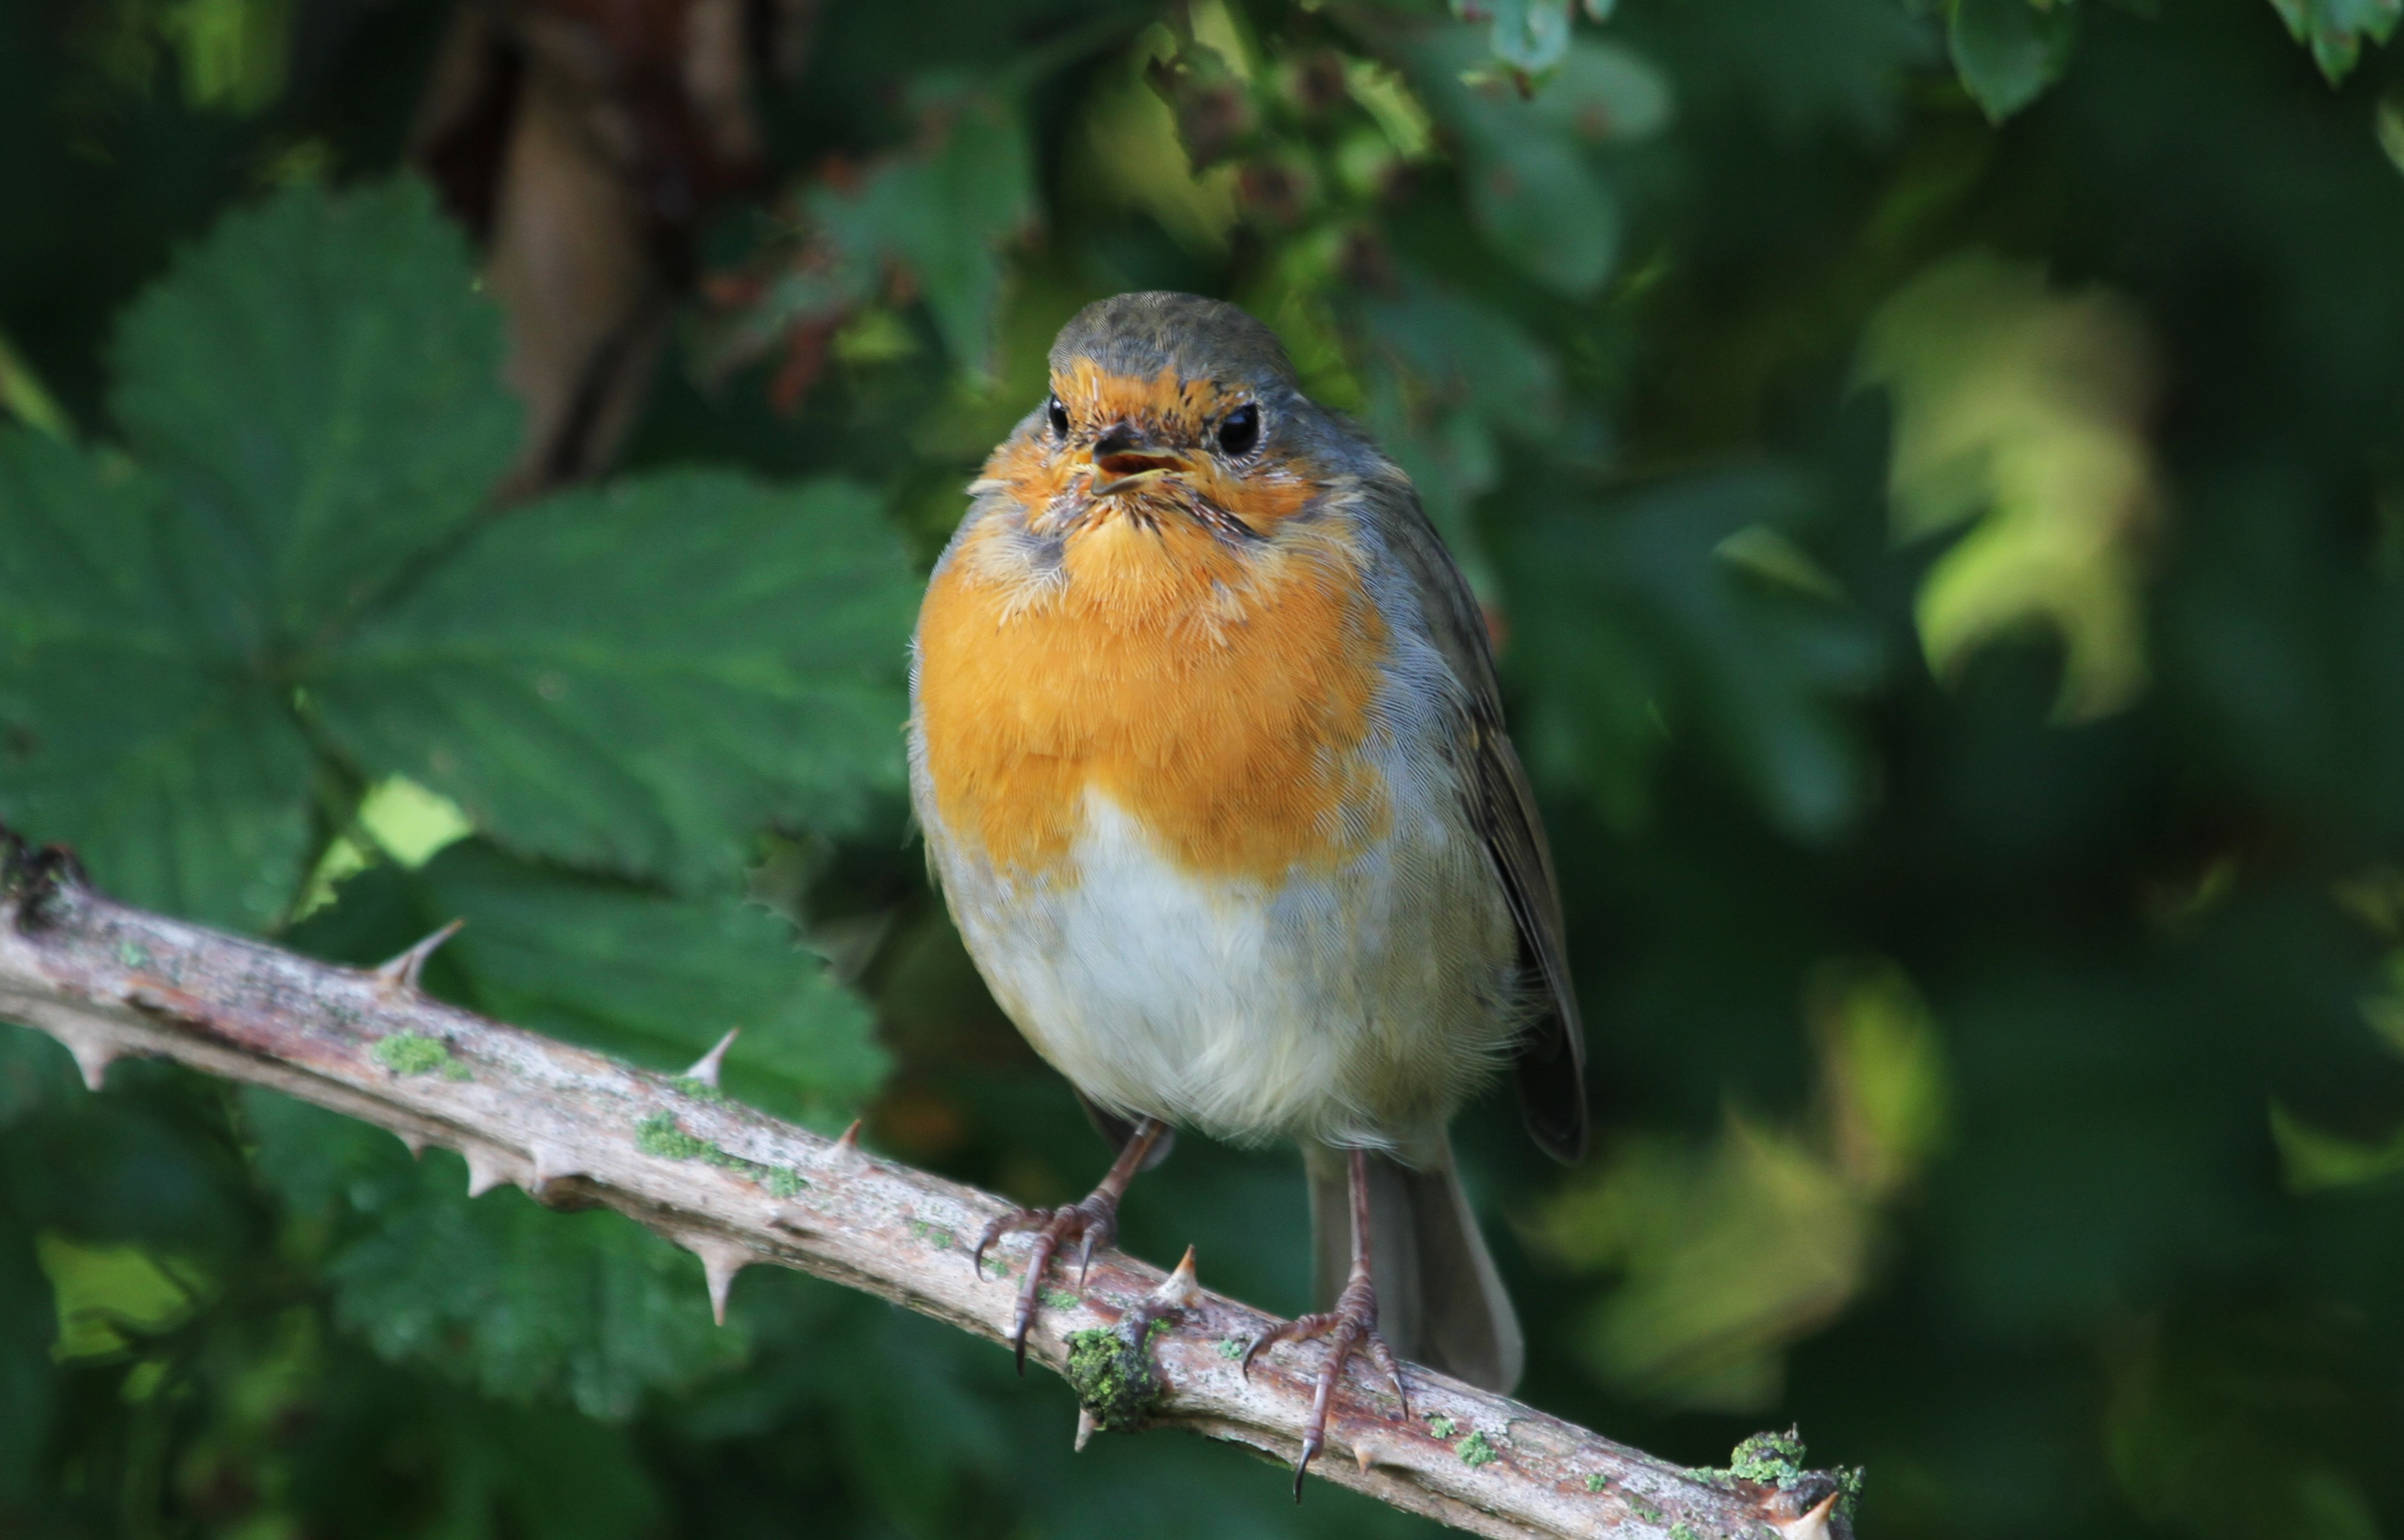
x: 704, y: 1068
x: 1183, y: 1288
x: 93, y: 1054
x: 401, y: 972
x: 1811, y: 1525
x: 485, y: 1169
x: 721, y: 1260
x: 846, y: 1149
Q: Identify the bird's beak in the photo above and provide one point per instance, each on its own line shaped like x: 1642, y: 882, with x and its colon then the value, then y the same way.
x: 1122, y: 462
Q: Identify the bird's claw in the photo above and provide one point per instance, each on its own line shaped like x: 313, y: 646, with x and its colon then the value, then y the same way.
x: 1093, y: 1223
x: 1350, y: 1327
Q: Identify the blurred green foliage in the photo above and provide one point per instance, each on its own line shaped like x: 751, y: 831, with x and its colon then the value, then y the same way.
x: 1933, y: 469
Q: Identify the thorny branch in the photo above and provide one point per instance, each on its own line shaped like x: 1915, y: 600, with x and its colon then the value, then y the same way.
x: 737, y: 1187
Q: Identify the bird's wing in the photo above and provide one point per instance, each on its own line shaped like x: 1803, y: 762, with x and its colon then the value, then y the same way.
x: 1550, y: 1063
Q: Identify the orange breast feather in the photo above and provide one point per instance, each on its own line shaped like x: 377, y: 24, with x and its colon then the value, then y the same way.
x: 1220, y: 698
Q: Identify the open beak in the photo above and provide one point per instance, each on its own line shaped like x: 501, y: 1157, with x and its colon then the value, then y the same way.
x: 1123, y: 463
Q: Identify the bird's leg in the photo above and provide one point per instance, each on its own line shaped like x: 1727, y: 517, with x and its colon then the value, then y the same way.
x: 1350, y: 1327
x: 1093, y: 1223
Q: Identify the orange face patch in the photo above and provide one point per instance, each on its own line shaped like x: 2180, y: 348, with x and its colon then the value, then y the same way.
x: 1050, y: 479
x: 1218, y: 694
x: 1180, y: 410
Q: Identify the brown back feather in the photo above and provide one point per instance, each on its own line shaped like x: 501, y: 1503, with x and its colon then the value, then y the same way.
x: 1550, y: 1063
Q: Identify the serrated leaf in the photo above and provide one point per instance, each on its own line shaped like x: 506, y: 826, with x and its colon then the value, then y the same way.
x: 320, y: 385
x: 312, y: 395
x: 652, y: 977
x: 523, y: 1303
x: 497, y: 1292
x: 321, y: 1164
x: 638, y: 678
x: 127, y: 728
x: 1633, y: 629
x: 2007, y: 51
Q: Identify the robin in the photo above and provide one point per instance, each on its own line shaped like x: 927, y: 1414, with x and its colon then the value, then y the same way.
x: 1206, y: 743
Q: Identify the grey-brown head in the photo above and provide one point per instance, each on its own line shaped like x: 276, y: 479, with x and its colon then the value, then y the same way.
x: 1198, y: 339
x: 1170, y: 405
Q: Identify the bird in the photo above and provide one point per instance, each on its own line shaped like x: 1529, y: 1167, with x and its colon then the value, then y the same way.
x: 1207, y: 750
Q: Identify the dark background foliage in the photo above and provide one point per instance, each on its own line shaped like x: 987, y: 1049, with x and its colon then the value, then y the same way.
x: 1932, y: 469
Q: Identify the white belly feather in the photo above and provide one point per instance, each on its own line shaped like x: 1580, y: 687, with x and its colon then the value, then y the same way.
x: 1358, y: 1007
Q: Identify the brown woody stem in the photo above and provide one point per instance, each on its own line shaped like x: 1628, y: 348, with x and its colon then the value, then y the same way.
x: 111, y: 980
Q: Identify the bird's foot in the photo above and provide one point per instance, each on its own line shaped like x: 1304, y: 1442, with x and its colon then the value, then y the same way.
x: 1350, y: 1328
x: 1092, y: 1223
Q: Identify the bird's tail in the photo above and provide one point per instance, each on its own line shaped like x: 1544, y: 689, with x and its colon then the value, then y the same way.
x: 1440, y: 1302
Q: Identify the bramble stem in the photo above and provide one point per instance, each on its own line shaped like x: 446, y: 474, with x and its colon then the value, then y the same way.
x: 570, y: 1125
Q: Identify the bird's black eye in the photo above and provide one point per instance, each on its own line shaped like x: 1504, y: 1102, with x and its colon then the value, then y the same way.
x: 1058, y: 412
x: 1241, y: 429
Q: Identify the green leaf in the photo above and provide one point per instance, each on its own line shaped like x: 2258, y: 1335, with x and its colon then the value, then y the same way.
x: 651, y: 976
x: 34, y: 1072
x: 942, y: 213
x: 2024, y: 411
x: 1603, y: 94
x: 639, y: 678
x: 24, y: 396
x: 1635, y: 629
x: 1800, y: 67
x: 2007, y: 51
x: 125, y: 1168
x: 544, y: 1474
x: 1530, y: 192
x: 28, y: 1327
x: 497, y: 1291
x: 1458, y: 351
x: 128, y: 730
x: 2334, y: 30
x: 1447, y: 374
x: 319, y: 383
x: 523, y: 1303
x: 313, y: 393
x: 1547, y: 211
x: 1724, y: 1256
x: 1527, y: 35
